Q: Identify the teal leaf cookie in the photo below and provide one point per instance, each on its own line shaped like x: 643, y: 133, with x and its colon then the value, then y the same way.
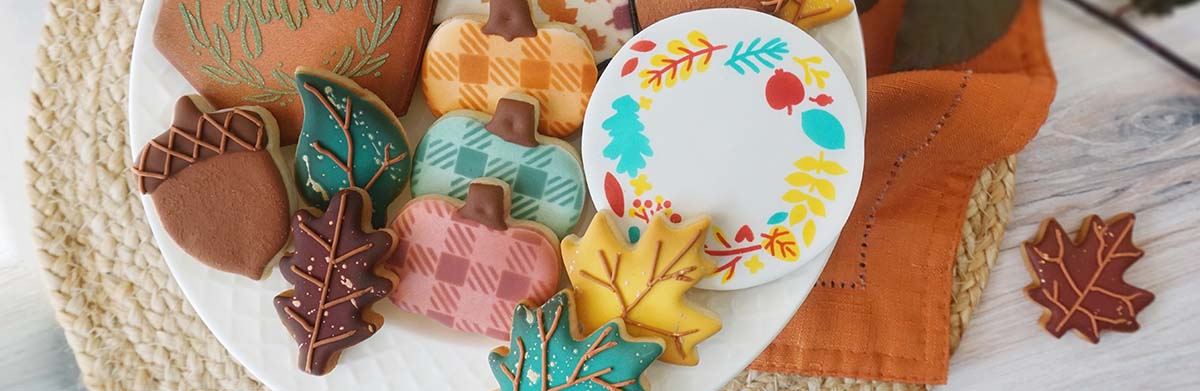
x: 544, y: 349
x: 544, y: 174
x: 350, y: 139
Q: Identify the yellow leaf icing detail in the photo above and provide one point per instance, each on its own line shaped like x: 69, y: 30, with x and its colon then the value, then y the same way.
x: 798, y: 214
x: 810, y: 230
x: 781, y: 243
x: 643, y: 284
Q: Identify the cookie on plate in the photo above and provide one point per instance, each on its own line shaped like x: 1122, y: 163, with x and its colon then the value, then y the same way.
x: 337, y: 270
x: 215, y: 178
x: 643, y: 284
x: 473, y: 61
x: 238, y: 52
x: 607, y: 23
x: 546, y: 352
x: 466, y: 265
x: 350, y: 139
x: 544, y: 172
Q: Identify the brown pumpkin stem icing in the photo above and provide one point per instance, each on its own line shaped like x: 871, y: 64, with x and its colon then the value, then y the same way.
x: 486, y: 204
x: 515, y: 121
x: 510, y: 19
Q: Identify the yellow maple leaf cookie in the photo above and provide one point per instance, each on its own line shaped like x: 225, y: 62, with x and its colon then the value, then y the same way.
x: 643, y: 284
x: 807, y: 14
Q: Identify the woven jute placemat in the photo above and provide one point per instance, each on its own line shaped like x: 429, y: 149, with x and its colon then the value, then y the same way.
x: 128, y: 323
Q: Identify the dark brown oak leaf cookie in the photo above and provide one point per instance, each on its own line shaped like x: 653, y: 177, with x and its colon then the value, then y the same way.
x: 338, y: 270
x: 215, y: 178
x: 1081, y: 283
x: 239, y: 52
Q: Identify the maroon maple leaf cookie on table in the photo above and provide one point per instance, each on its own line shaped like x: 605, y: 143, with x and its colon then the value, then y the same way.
x: 468, y: 264
x: 338, y: 274
x: 215, y: 178
x: 1081, y: 282
x: 237, y: 53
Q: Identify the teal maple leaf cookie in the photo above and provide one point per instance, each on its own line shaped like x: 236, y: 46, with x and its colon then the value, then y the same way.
x: 544, y: 173
x: 545, y: 353
x: 349, y: 139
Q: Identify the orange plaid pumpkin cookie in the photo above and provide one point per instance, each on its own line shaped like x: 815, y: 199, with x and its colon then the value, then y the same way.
x: 471, y: 63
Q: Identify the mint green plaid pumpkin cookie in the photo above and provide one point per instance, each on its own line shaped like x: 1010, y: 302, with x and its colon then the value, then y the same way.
x: 544, y: 173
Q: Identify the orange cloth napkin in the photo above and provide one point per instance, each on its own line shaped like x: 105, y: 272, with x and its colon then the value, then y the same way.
x: 881, y: 308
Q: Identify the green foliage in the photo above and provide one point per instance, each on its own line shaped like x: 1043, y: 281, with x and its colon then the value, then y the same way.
x: 939, y: 32
x: 1159, y: 7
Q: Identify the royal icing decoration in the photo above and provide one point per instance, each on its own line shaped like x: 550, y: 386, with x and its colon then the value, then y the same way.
x: 733, y: 114
x: 471, y: 64
x: 546, y: 353
x: 643, y: 284
x: 215, y: 180
x: 350, y: 139
x: 466, y: 265
x: 333, y: 270
x: 1081, y: 282
x: 544, y: 173
x: 607, y: 23
x: 239, y: 52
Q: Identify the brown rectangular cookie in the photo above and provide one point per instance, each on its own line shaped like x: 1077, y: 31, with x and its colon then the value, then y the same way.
x: 237, y: 52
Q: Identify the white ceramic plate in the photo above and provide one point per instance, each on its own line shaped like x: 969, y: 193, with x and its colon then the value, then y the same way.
x: 409, y: 352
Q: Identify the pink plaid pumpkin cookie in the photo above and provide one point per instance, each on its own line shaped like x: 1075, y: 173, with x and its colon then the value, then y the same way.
x: 467, y: 265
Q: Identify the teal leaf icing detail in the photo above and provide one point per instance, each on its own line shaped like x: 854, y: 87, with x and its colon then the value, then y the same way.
x: 629, y: 146
x: 777, y: 218
x: 823, y: 128
x: 547, y: 180
x: 757, y: 57
x: 543, y: 350
x: 349, y: 139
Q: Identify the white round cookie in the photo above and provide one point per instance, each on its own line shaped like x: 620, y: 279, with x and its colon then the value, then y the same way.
x: 733, y: 114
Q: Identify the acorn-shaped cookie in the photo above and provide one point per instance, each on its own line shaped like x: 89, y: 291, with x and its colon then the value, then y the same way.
x: 215, y: 180
x: 467, y: 265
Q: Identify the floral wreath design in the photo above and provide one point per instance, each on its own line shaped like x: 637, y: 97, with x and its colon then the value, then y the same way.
x: 781, y: 236
x: 243, y: 18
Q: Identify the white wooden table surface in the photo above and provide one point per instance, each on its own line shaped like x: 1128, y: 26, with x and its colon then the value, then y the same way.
x: 1123, y: 135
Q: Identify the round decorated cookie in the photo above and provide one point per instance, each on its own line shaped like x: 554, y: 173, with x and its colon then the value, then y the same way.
x: 733, y: 114
x: 544, y: 172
